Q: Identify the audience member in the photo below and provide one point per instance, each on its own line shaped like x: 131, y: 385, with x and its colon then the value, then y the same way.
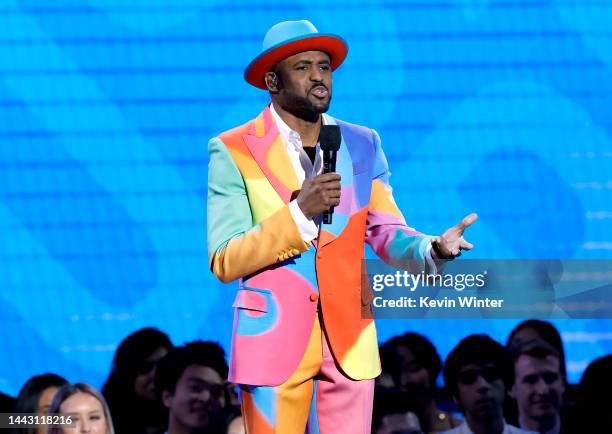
x: 130, y: 388
x: 478, y: 372
x: 413, y: 364
x: 36, y: 396
x: 154, y: 388
x: 593, y: 410
x: 538, y: 386
x: 537, y: 329
x: 85, y: 406
x: 190, y: 381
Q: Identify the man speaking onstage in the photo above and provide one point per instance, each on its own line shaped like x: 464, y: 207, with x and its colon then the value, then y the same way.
x: 304, y: 346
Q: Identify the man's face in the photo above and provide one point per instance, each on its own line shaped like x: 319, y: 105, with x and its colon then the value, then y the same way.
x: 538, y: 386
x: 481, y: 391
x: 305, y: 84
x: 198, y: 396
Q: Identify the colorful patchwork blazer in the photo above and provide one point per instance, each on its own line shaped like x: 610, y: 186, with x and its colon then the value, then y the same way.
x: 253, y: 237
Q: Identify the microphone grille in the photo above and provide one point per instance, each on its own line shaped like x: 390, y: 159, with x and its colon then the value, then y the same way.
x: 330, y: 137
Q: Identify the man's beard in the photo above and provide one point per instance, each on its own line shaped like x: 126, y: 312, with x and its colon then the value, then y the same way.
x: 303, y: 108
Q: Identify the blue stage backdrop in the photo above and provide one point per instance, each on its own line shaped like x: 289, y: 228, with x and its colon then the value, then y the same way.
x: 500, y: 107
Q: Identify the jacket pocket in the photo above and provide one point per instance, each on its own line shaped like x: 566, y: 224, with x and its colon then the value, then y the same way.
x: 252, y: 299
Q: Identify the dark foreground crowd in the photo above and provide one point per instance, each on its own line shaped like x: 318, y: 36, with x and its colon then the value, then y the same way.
x: 156, y: 388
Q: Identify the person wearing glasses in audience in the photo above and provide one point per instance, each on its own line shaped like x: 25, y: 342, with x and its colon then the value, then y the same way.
x: 191, y: 382
x: 129, y: 389
x: 538, y: 386
x: 478, y: 372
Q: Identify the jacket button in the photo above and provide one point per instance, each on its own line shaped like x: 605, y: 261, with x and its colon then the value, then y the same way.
x: 314, y: 297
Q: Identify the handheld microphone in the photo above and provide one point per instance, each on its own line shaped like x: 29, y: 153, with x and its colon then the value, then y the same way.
x: 329, y: 140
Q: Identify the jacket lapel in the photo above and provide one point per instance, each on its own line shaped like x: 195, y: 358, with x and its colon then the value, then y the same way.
x: 270, y: 152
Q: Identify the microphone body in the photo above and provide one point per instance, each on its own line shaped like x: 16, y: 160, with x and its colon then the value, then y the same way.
x: 329, y: 140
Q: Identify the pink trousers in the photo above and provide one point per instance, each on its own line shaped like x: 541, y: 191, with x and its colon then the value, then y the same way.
x: 317, y: 399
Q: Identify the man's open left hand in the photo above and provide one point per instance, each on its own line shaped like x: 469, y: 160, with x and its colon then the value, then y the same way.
x: 450, y: 244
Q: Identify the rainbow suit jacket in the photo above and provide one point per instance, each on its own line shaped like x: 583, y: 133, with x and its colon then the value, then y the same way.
x: 253, y: 237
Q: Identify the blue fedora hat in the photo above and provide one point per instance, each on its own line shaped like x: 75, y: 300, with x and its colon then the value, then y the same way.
x: 288, y: 38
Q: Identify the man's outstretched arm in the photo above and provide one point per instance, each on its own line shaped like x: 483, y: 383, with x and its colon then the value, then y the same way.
x: 393, y: 240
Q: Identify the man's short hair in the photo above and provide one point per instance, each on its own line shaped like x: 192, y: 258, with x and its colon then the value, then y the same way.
x: 535, y: 348
x: 547, y: 332
x: 477, y: 349
x: 172, y: 366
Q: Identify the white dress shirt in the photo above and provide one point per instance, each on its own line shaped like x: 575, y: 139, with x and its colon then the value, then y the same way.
x: 304, y: 169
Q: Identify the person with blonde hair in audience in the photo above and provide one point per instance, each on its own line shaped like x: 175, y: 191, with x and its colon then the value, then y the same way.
x: 86, y: 408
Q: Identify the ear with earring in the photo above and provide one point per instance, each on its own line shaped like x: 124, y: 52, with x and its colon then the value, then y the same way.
x: 273, y: 81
